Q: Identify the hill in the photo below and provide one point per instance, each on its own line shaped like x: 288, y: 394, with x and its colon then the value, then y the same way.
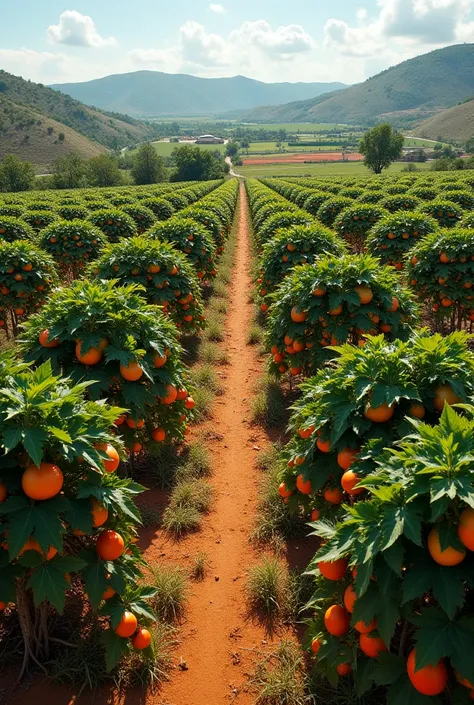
x: 453, y: 125
x: 36, y: 138
x: 153, y: 93
x: 108, y: 129
x: 404, y: 93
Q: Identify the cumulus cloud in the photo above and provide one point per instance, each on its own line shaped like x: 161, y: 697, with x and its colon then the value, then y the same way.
x: 201, y: 47
x: 75, y: 29
x: 279, y: 42
x: 218, y: 9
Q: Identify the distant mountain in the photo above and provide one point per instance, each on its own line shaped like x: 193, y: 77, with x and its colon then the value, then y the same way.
x: 410, y: 91
x: 452, y: 125
x: 153, y: 93
x: 107, y: 129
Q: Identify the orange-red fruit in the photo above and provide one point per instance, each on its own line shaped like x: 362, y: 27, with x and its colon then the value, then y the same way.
x: 371, y: 646
x: 315, y: 645
x: 159, y: 360
x: 108, y: 593
x: 45, y: 341
x: 33, y: 545
x: 336, y: 620
x: 284, y: 491
x: 42, y: 482
x: 365, y: 294
x: 127, y: 625
x: 364, y: 628
x: 449, y: 557
x: 3, y: 492
x: 315, y: 515
x: 334, y: 570
x: 110, y: 546
x: 429, y: 680
x: 189, y: 403
x: 333, y: 495
x: 131, y: 423
x: 466, y: 528
x: 417, y: 410
x: 131, y: 372
x: 92, y: 356
x: 159, y: 435
x: 344, y: 669
x: 349, y: 598
x: 297, y: 316
x: 346, y: 457
x: 303, y: 485
x: 324, y: 446
x: 142, y: 639
x: 113, y: 462
x: 445, y: 394
x: 182, y: 394
x: 171, y: 394
x: 306, y: 432
x: 348, y: 481
x: 99, y: 513
x: 380, y: 414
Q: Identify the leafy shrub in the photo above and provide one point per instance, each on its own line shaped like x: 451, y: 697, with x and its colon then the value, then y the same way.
x: 395, y: 235
x: 209, y: 220
x: 72, y: 244
x: 283, y: 219
x: 162, y: 208
x: 447, y: 214
x: 354, y: 222
x: 330, y: 209
x: 114, y: 223
x: 38, y: 220
x: 192, y: 239
x: 143, y: 217
x: 12, y: 229
x: 403, y: 202
x: 314, y: 202
x: 425, y: 193
x: 72, y: 212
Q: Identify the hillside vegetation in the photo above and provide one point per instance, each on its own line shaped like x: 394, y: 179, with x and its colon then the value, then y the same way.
x: 412, y: 90
x: 453, y: 125
x: 107, y: 129
x: 153, y: 93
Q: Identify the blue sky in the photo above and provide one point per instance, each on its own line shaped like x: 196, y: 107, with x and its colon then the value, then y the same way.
x: 271, y: 40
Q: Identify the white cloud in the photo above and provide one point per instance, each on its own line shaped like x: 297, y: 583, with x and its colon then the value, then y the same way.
x: 75, y: 29
x: 218, y: 9
x: 279, y: 42
x: 202, y: 48
x: 35, y: 65
x: 361, y: 14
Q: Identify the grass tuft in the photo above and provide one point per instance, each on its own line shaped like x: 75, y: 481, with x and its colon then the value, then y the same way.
x: 255, y: 336
x: 268, y: 406
x: 192, y: 494
x: 204, y: 399
x: 206, y: 376
x: 171, y: 585
x: 268, y: 587
x: 199, y: 567
x: 181, y: 520
x: 211, y: 354
x: 279, y: 678
x: 215, y: 331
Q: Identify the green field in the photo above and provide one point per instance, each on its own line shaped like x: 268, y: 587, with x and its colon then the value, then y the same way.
x: 420, y: 142
x: 164, y: 149
x: 328, y: 169
x: 298, y: 127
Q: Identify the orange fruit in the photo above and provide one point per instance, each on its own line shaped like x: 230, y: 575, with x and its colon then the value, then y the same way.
x: 336, y: 620
x: 348, y: 481
x: 33, y: 545
x: 365, y: 294
x: 336, y: 311
x: 113, y: 462
x: 304, y: 486
x: 171, y: 394
x: 444, y: 258
x: 333, y: 495
x: 364, y: 627
x: 3, y: 492
x: 158, y: 435
x: 333, y: 570
x: 344, y: 669
x: 450, y: 556
x: 298, y: 316
x: 142, y: 639
x: 45, y: 341
x: 127, y: 625
x: 346, y: 457
x: 394, y: 306
x: 324, y: 446
x: 319, y: 291
x: 315, y: 515
x: 306, y: 432
x: 444, y: 394
x: 93, y: 355
x: 182, y: 394
x: 42, y: 482
x: 131, y: 372
x: 131, y: 423
x: 315, y: 645
x: 159, y: 360
x: 466, y: 528
x: 429, y: 680
x: 464, y: 681
x: 110, y: 545
x: 380, y: 414
x: 99, y: 513
x: 283, y: 491
x: 108, y: 593
x: 372, y: 646
x: 417, y: 410
x: 189, y: 403
x: 349, y: 598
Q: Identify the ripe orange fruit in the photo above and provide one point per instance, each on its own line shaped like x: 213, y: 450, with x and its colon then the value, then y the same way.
x: 171, y: 394
x: 444, y: 394
x: 131, y: 423
x: 344, y: 669
x: 99, y: 513
x: 131, y: 372
x: 429, y: 680
x: 444, y: 258
x: 158, y: 435
x: 334, y: 570
x: 315, y: 645
x: 93, y: 355
x: 182, y: 394
x: 159, y: 360
x: 127, y: 625
x: 283, y: 491
x: 417, y: 410
x: 108, y: 593
x: 464, y: 681
x: 372, y: 646
x: 333, y: 495
x: 113, y: 462
x: 348, y: 481
x: 349, y: 598
x: 298, y: 316
x: 446, y: 302
x: 315, y: 515
x: 319, y: 291
x: 380, y: 414
x: 336, y: 311
x: 365, y: 294
x: 364, y: 627
x: 3, y: 606
x: 110, y: 545
x: 306, y: 432
x: 466, y: 528
x: 142, y: 639
x: 3, y: 492
x: 394, y: 306
x: 189, y: 403
x: 45, y: 341
x: 450, y: 556
x: 324, y: 446
x: 33, y: 545
x: 346, y: 457
x: 336, y: 620
x: 42, y: 482
x: 303, y: 485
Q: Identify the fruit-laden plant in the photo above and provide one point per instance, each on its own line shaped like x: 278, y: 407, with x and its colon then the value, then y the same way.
x: 371, y: 196
x: 289, y: 247
x: 282, y: 219
x: 27, y: 276
x: 143, y: 217
x: 72, y: 245
x: 336, y: 300
x: 209, y: 220
x: 11, y: 210
x: 354, y: 222
x: 12, y: 229
x: 39, y: 219
x: 405, y: 620
x: 330, y: 209
x: 402, y: 202
x: 316, y: 200
x: 114, y: 223
x: 108, y: 335
x: 192, y: 239
x: 167, y: 276
x: 362, y: 403
x: 447, y: 213
x: 396, y: 234
x: 72, y: 212
x: 463, y: 198
x: 178, y: 200
x: 161, y: 208
x: 441, y: 271
x: 424, y: 193
x: 467, y: 221
x: 65, y: 515
x: 353, y: 192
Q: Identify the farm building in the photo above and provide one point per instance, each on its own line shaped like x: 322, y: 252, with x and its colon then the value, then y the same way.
x: 209, y: 139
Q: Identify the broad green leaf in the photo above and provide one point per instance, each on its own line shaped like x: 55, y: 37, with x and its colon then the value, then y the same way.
x: 95, y: 578
x: 33, y: 440
x: 388, y: 669
x: 48, y: 584
x: 115, y: 648
x: 403, y: 693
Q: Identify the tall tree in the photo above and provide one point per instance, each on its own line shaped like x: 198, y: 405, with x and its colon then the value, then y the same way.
x: 196, y: 164
x: 69, y: 171
x: 104, y: 171
x: 381, y: 146
x: 148, y: 167
x: 16, y: 175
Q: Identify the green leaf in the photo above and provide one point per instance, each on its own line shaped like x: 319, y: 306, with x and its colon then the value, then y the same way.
x: 48, y: 584
x: 20, y: 526
x: 115, y: 648
x: 387, y: 620
x: 364, y: 676
x: 433, y: 637
x: 8, y: 576
x: 49, y: 526
x: 403, y: 693
x: 394, y: 557
x: 388, y: 669
x: 59, y: 433
x: 11, y: 438
x: 95, y: 578
x: 462, y: 636
x: 33, y: 440
x: 68, y: 564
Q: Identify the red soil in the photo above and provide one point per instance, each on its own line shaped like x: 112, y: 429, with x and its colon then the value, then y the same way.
x: 303, y: 157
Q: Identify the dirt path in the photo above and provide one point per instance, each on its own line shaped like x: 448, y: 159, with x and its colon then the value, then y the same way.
x: 216, y: 625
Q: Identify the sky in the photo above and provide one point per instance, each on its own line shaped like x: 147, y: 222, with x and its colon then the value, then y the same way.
x: 270, y: 40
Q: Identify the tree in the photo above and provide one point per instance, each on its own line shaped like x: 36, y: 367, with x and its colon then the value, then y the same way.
x: 148, y: 167
x: 469, y: 146
x: 16, y: 175
x: 196, y: 164
x: 381, y: 146
x: 69, y: 171
x: 232, y: 149
x: 104, y: 171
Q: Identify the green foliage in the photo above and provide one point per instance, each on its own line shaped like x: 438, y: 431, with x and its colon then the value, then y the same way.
x: 12, y: 228
x: 72, y: 244
x: 381, y: 146
x: 192, y: 239
x: 148, y: 167
x: 161, y: 208
x: 354, y: 222
x: 114, y: 223
x: 330, y: 209
x: 395, y: 235
x: 144, y: 217
x: 196, y: 164
x: 447, y: 214
x: 16, y: 175
x: 400, y: 202
x: 39, y: 219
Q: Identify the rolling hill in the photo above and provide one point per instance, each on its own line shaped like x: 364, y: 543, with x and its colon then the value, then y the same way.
x: 405, y: 93
x: 453, y: 125
x: 107, y: 129
x: 153, y: 93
